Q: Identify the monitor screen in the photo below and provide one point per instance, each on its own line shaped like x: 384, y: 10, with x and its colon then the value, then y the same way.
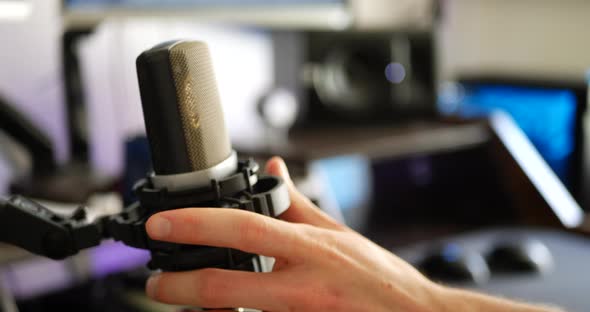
x: 548, y: 115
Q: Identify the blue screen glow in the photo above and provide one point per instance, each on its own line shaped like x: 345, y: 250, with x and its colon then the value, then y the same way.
x: 547, y: 117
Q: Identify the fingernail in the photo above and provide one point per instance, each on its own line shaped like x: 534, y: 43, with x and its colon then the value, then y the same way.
x: 160, y: 227
x: 152, y: 285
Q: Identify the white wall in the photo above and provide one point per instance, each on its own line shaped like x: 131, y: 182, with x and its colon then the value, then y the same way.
x: 516, y: 37
x: 30, y: 70
x: 379, y: 14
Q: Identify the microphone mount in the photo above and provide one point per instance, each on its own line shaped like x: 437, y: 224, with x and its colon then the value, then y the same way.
x: 31, y: 226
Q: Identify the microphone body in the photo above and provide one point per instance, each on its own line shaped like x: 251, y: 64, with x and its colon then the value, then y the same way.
x: 193, y: 161
x: 183, y: 116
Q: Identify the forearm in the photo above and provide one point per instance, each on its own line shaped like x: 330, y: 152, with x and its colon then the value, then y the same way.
x: 457, y: 300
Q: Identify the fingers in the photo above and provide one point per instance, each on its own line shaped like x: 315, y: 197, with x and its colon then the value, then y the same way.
x: 232, y: 228
x: 302, y: 210
x: 214, y: 288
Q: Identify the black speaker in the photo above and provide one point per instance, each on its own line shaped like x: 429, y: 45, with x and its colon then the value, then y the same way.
x: 360, y: 78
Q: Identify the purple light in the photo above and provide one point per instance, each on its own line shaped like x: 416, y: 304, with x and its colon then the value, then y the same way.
x: 31, y: 278
x: 114, y: 257
x: 38, y: 276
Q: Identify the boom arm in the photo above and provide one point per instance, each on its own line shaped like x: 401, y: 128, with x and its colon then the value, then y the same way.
x: 31, y: 226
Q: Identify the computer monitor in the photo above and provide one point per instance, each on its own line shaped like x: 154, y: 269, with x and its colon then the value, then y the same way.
x: 548, y: 112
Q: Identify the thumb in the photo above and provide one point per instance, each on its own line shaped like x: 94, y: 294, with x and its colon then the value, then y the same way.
x: 276, y: 166
x: 302, y: 210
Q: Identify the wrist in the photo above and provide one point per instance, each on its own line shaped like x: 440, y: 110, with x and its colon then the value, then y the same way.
x: 425, y: 296
x: 456, y: 300
x: 449, y: 299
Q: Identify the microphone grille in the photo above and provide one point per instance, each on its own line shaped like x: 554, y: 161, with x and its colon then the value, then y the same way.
x: 200, y: 109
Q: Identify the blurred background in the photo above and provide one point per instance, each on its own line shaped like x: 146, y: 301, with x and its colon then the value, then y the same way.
x: 454, y: 133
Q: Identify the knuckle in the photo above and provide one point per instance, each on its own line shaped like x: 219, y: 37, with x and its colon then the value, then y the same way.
x: 307, y: 233
x: 297, y: 240
x: 316, y: 242
x: 158, y: 293
x: 253, y: 230
x: 332, y: 300
x: 315, y: 298
x: 162, y: 291
x: 328, y: 298
x: 209, y: 288
x: 295, y: 300
x: 324, y: 245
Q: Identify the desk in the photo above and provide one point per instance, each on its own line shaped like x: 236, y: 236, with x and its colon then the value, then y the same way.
x: 374, y: 142
x: 565, y: 286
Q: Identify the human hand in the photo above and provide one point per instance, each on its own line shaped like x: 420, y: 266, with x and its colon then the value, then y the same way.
x: 321, y: 265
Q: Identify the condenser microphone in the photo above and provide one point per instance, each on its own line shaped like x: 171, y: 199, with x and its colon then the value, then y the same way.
x: 193, y: 162
x: 183, y: 116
